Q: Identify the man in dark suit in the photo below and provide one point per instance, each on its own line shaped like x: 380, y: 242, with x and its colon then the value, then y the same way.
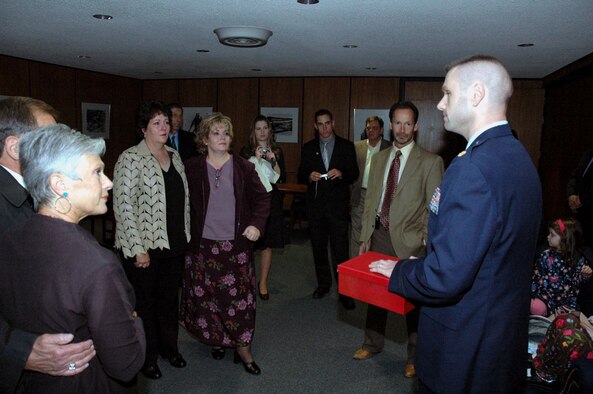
x: 404, y: 233
x: 328, y: 166
x: 579, y: 192
x: 180, y: 140
x: 474, y: 283
x: 49, y: 354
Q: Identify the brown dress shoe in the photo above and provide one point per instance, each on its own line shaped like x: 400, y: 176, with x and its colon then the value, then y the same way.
x: 410, y: 371
x: 362, y: 354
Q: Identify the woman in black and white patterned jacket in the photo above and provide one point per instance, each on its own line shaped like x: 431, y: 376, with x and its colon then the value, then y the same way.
x: 151, y: 207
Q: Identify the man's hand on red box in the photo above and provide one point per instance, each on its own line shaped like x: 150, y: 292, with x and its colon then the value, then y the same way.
x: 384, y: 267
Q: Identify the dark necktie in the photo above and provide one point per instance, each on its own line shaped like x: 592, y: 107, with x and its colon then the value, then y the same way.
x: 390, y: 189
x: 173, y: 142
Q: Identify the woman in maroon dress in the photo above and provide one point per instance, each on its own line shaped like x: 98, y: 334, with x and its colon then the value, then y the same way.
x: 229, y: 209
x: 55, y: 275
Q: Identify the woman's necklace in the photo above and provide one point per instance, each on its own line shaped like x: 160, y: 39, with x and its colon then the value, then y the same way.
x: 218, y: 168
x: 217, y: 177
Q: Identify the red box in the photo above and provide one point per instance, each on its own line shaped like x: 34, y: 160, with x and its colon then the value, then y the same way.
x: 357, y: 281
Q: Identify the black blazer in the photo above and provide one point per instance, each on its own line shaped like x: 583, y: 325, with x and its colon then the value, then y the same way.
x: 15, y: 208
x: 15, y: 345
x: 581, y: 184
x: 187, y: 145
x: 329, y: 195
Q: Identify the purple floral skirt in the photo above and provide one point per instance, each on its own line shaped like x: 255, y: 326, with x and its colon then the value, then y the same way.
x: 218, y: 294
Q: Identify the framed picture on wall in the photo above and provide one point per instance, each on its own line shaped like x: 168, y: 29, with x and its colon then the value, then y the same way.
x: 285, y: 123
x: 95, y: 120
x: 192, y: 116
x: 360, y: 117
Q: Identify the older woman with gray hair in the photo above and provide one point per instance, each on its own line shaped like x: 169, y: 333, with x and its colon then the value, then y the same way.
x: 55, y: 275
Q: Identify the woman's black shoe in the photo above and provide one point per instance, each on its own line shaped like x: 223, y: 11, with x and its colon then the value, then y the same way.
x: 217, y: 353
x: 263, y: 296
x: 152, y: 371
x: 251, y: 367
x: 177, y: 361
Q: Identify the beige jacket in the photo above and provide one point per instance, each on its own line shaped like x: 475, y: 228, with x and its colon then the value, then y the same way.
x: 408, y: 214
x: 139, y: 201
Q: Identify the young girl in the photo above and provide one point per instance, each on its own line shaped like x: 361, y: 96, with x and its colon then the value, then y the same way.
x: 261, y: 145
x: 559, y: 270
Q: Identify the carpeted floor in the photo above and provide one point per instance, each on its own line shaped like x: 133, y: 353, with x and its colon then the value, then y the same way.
x: 302, y: 345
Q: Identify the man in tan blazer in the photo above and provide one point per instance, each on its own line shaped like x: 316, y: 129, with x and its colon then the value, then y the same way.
x: 397, y: 226
x: 365, y: 150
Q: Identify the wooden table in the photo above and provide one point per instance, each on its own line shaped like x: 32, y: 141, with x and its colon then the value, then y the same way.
x: 296, y: 191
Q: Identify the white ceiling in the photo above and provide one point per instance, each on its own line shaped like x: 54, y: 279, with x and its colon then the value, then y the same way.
x: 150, y: 39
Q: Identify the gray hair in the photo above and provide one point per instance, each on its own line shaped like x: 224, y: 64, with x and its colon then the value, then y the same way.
x: 53, y: 149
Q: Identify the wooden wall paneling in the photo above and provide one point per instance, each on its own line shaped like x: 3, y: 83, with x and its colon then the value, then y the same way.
x: 238, y: 98
x: 525, y: 115
x: 198, y: 93
x: 372, y: 93
x: 431, y: 135
x: 56, y: 85
x: 124, y: 96
x: 14, y: 76
x: 164, y: 90
x: 285, y: 92
x: 329, y: 93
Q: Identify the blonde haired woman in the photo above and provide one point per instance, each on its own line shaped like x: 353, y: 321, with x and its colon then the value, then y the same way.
x: 229, y: 209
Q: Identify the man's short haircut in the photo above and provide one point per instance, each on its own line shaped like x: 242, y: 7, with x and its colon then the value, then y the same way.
x: 487, y: 69
x: 53, y: 149
x: 322, y: 112
x: 17, y: 116
x: 377, y: 118
x: 404, y: 105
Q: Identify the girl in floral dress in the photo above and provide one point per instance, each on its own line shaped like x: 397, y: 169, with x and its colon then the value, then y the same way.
x: 559, y: 270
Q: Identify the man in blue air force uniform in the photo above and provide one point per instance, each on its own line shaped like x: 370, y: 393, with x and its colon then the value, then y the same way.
x: 474, y: 283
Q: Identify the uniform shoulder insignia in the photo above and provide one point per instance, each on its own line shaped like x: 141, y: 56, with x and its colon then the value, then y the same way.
x: 461, y: 153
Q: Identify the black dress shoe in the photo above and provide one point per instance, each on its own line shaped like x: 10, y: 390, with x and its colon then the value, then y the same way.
x: 251, y: 367
x: 320, y: 292
x: 152, y: 371
x: 177, y: 361
x: 347, y: 302
x: 217, y: 353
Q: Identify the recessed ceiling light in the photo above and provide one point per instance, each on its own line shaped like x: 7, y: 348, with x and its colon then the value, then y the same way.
x: 102, y: 16
x: 350, y: 46
x: 203, y: 50
x: 243, y: 36
x: 525, y: 45
x: 307, y: 1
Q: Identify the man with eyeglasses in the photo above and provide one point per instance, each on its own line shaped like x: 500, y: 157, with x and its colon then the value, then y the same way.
x: 365, y: 150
